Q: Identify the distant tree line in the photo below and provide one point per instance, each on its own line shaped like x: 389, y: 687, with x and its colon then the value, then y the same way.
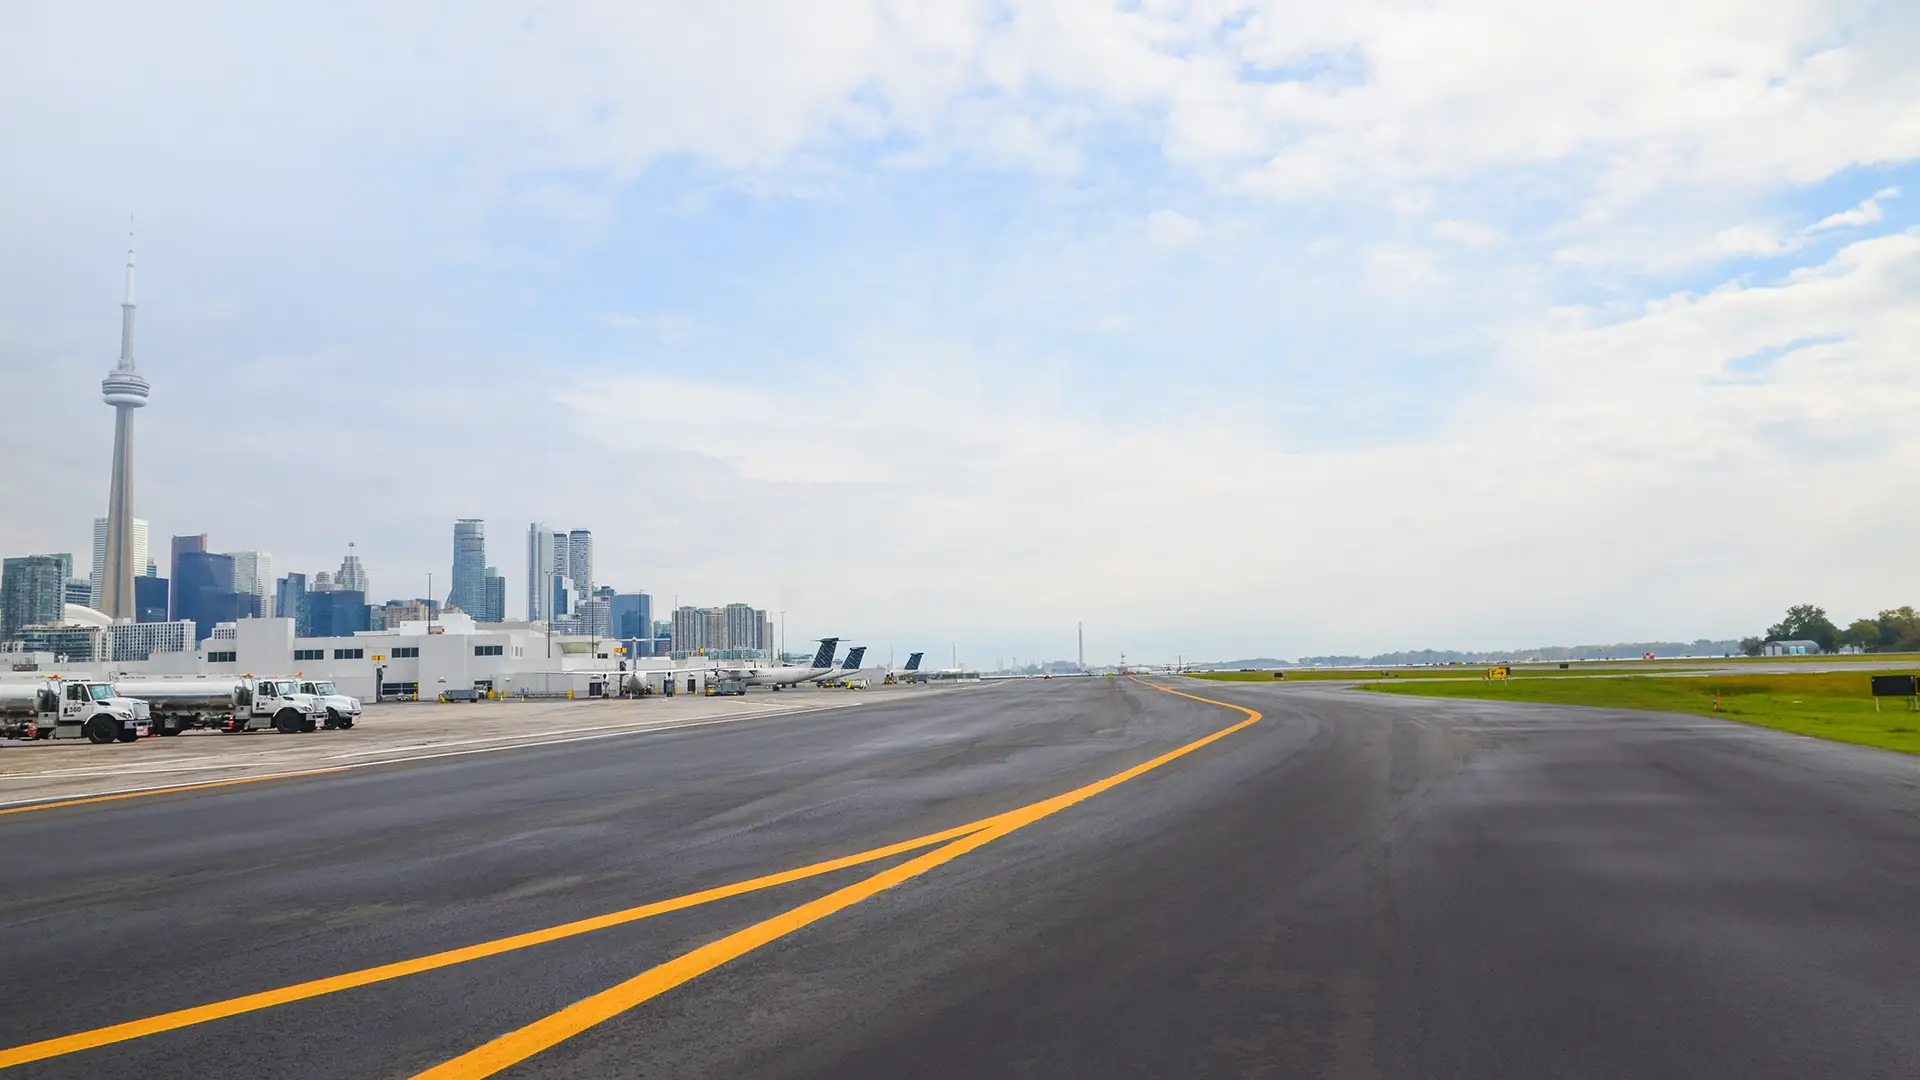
x: 1893, y: 630
x: 1619, y: 650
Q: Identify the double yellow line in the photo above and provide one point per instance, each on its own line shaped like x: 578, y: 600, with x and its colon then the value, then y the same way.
x: 516, y: 1046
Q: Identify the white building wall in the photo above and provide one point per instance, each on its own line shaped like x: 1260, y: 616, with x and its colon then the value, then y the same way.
x: 446, y: 659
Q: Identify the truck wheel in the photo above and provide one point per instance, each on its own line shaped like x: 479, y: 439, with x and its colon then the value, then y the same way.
x: 128, y: 734
x: 102, y: 730
x: 346, y: 722
x: 307, y: 723
x: 286, y: 721
x: 166, y: 726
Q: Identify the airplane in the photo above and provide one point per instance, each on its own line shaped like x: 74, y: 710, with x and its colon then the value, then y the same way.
x: 786, y: 675
x: 910, y: 673
x: 847, y: 670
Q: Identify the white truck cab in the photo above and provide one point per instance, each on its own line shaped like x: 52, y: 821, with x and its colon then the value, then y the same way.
x: 341, y: 711
x: 273, y: 698
x: 60, y: 707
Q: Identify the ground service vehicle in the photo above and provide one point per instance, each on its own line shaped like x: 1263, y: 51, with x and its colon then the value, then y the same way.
x: 232, y: 705
x: 67, y: 707
x: 728, y: 687
x: 341, y: 711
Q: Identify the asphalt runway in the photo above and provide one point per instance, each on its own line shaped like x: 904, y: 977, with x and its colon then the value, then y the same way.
x: 1355, y: 885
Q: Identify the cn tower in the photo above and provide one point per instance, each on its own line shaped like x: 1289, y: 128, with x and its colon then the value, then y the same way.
x: 125, y: 390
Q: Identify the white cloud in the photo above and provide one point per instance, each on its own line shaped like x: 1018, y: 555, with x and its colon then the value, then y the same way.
x: 1401, y: 271
x: 1866, y: 213
x: 1469, y: 234
x: 1727, y: 94
x: 1172, y: 229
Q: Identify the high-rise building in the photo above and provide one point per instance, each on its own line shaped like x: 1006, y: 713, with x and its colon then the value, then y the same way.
x: 141, y: 641
x: 594, y: 617
x: 390, y: 615
x: 150, y: 600
x: 142, y: 559
x: 689, y: 629
x: 540, y: 573
x: 338, y: 613
x: 734, y: 629
x: 632, y: 617
x: 562, y: 574
x: 469, y: 592
x: 352, y: 575
x: 80, y: 591
x: 33, y: 592
x: 125, y: 389
x: 203, y: 591
x: 493, y: 608
x: 253, y: 575
x: 290, y: 601
x: 580, y: 562
x: 323, y: 582
x: 746, y: 627
x: 75, y: 644
x: 182, y: 545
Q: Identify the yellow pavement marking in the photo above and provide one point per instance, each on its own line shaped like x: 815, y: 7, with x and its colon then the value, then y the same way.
x: 134, y: 1029
x: 144, y: 792
x: 517, y: 1046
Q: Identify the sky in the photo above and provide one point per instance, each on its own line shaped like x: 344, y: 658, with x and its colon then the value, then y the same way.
x: 1228, y: 329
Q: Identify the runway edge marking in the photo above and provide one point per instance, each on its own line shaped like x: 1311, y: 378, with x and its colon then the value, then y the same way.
x: 549, y: 1031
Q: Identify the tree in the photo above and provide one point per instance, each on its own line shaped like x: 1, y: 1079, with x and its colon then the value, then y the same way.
x: 1864, y: 633
x: 1806, y: 622
x: 1900, y: 629
x: 1751, y: 646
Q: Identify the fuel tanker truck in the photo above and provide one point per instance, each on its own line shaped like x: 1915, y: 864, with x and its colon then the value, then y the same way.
x: 232, y: 705
x: 70, y: 707
x: 341, y: 709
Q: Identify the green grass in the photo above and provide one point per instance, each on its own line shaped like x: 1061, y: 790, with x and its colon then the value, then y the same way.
x: 1828, y: 658
x: 1472, y: 672
x: 1346, y: 675
x: 1829, y: 705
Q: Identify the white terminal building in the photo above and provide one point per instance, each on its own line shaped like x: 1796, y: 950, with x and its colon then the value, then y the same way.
x: 413, y: 660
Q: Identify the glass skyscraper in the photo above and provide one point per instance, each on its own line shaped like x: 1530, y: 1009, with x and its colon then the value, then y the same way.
x: 33, y: 591
x: 469, y: 592
x: 494, y: 608
x: 540, y: 572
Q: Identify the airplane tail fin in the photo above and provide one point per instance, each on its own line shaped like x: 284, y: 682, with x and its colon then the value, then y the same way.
x: 824, y: 658
x: 854, y: 656
x: 913, y: 661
